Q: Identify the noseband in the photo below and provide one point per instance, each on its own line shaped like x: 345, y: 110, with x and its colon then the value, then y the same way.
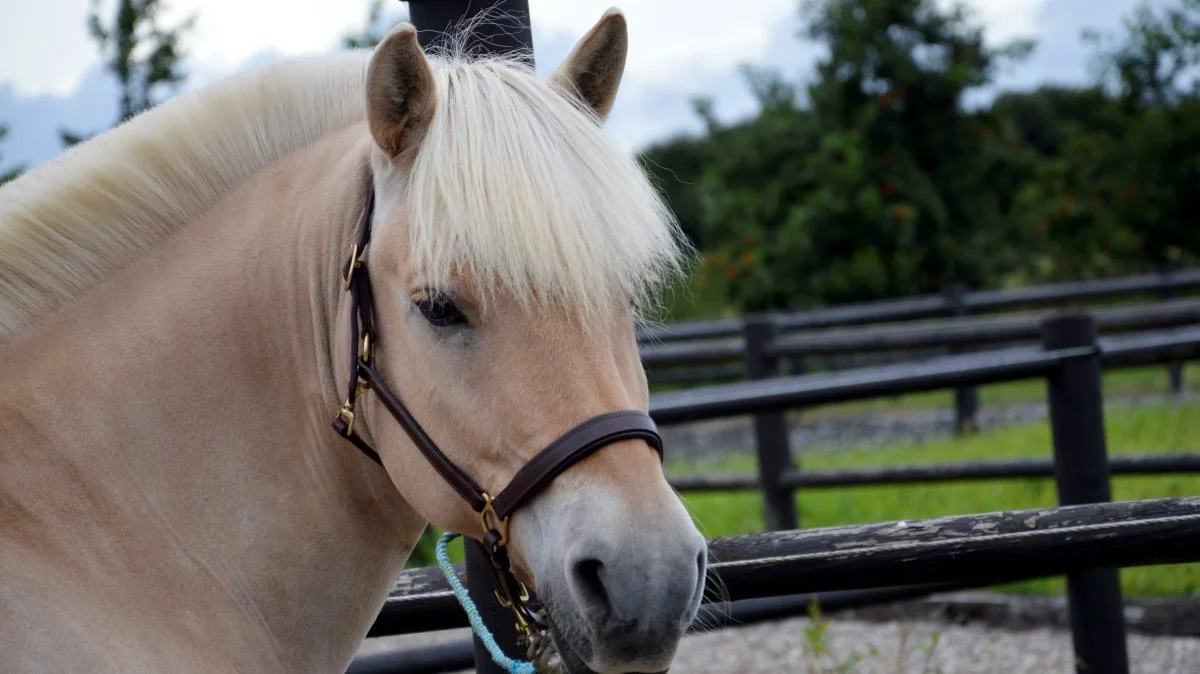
x: 494, y: 512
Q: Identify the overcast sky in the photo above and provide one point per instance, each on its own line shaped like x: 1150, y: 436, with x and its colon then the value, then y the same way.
x: 50, y: 76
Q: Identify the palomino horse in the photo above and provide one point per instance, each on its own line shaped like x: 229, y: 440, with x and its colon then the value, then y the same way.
x: 173, y: 333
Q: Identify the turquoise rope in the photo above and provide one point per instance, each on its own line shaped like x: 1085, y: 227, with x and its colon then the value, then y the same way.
x: 481, y: 630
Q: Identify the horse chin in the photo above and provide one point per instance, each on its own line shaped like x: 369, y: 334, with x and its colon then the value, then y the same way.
x: 553, y: 655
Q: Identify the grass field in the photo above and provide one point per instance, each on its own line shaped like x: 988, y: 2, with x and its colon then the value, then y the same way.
x: 1154, y: 428
x: 1117, y: 384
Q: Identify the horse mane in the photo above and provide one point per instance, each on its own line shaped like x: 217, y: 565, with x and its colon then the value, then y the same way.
x: 71, y: 222
x: 514, y: 183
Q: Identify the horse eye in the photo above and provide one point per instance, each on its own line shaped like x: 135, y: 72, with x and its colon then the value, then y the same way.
x: 441, y: 311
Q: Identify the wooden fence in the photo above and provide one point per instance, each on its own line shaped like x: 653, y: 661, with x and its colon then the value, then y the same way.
x: 1069, y: 359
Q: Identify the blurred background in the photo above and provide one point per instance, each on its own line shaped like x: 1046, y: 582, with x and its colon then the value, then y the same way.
x: 817, y: 153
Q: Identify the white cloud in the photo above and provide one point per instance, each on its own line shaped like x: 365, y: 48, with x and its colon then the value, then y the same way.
x: 230, y: 32
x: 669, y: 36
x: 1006, y: 20
x: 44, y: 47
x: 679, y: 48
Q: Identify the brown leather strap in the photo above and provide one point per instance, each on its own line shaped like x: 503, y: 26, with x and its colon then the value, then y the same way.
x: 569, y: 449
x: 462, y: 483
x: 560, y: 455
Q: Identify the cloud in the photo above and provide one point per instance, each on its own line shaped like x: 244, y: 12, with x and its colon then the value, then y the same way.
x: 35, y: 121
x: 40, y: 52
x: 680, y: 49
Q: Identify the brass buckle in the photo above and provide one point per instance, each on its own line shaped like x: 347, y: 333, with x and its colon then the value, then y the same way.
x: 501, y: 525
x: 364, y: 354
x: 505, y: 598
x: 346, y: 414
x: 361, y: 387
x: 355, y: 263
x: 529, y: 624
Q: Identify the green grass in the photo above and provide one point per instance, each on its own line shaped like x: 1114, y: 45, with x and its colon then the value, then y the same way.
x: 1117, y: 383
x: 1157, y: 428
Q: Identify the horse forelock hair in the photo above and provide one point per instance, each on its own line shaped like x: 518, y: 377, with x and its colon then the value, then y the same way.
x: 516, y: 185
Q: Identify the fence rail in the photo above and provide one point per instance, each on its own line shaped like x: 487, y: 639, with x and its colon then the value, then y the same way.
x: 964, y: 332
x: 1129, y: 464
x: 986, y: 367
x: 967, y: 549
x: 940, y: 305
x: 1088, y: 539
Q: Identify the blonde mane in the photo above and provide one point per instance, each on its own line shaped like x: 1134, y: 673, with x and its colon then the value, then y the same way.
x: 68, y: 224
x: 517, y: 185
x: 514, y: 184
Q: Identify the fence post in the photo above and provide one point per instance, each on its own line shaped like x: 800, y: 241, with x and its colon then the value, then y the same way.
x: 510, y: 32
x: 512, y: 35
x: 966, y: 398
x: 1166, y: 294
x: 1082, y: 472
x: 498, y: 619
x: 771, y: 439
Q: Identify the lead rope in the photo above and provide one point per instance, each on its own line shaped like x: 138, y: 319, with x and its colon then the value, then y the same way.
x: 477, y: 626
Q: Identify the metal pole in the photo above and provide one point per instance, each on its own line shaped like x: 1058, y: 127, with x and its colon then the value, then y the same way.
x: 966, y: 398
x: 1082, y: 472
x: 770, y: 428
x: 507, y: 31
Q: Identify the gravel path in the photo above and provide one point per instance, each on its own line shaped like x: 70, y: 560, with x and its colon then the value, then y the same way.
x: 904, y: 649
x: 899, y: 648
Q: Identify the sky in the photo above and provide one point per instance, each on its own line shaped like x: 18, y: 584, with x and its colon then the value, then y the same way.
x: 50, y: 75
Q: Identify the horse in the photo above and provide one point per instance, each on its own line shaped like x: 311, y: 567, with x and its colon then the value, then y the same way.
x: 173, y: 331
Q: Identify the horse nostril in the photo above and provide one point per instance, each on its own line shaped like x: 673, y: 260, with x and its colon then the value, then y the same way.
x: 589, y: 586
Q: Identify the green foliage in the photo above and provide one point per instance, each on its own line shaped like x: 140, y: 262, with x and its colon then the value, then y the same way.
x: 144, y: 56
x: 819, y: 658
x: 1155, y: 68
x: 872, y: 182
x: 11, y: 173
x: 877, y: 179
x: 375, y: 29
x: 1114, y: 192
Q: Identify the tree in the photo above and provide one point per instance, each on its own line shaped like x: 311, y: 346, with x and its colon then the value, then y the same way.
x: 8, y: 174
x: 1068, y: 211
x: 1156, y: 70
x: 874, y: 180
x: 927, y: 197
x: 144, y: 56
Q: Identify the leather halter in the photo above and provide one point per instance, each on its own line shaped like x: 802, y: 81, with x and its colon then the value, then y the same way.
x: 570, y: 447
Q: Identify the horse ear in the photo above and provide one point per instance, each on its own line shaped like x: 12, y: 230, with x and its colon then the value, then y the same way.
x: 593, y: 69
x: 401, y: 93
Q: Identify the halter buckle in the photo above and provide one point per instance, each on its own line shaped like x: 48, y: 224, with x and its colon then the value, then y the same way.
x: 355, y: 262
x: 529, y: 622
x: 364, y: 353
x: 346, y: 414
x: 492, y: 522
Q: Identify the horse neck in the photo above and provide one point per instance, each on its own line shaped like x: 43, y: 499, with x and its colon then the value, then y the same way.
x: 168, y: 436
